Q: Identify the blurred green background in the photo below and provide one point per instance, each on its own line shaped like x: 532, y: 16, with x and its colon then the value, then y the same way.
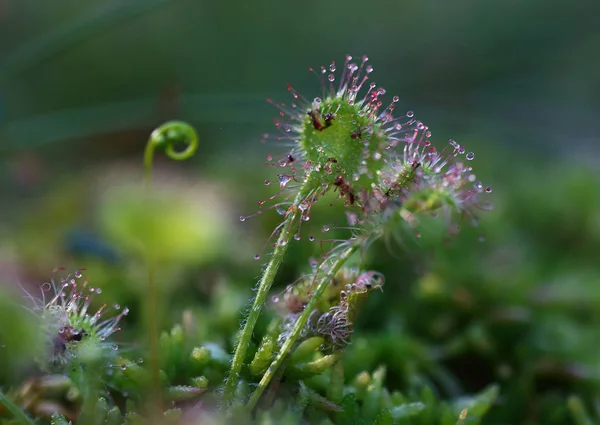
x: 82, y: 84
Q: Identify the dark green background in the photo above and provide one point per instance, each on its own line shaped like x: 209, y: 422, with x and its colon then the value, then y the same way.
x: 82, y: 84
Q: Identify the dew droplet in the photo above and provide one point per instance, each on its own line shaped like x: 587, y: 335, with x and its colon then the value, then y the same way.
x: 115, y: 347
x: 470, y: 156
x: 410, y: 114
x: 326, y: 228
x: 305, y: 217
x: 78, y: 274
x: 242, y: 218
x: 140, y: 361
x: 284, y: 179
x: 331, y: 77
x: 488, y: 189
x: 282, y: 242
x: 117, y: 307
x: 478, y: 185
x: 275, y: 299
x: 257, y: 257
x: 297, y: 236
x: 267, y: 182
x: 98, y: 290
x: 311, y: 238
x: 123, y: 367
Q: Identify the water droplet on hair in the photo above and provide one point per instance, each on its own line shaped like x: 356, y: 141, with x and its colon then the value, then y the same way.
x: 478, y: 185
x: 284, y: 179
x: 311, y: 238
x: 257, y: 257
x: 78, y: 274
x: 140, y: 361
x: 280, y: 210
x: 117, y: 307
x: 123, y: 367
x: 488, y: 189
x: 410, y: 114
x: 267, y: 182
x: 115, y: 347
x: 275, y: 299
x: 297, y: 236
x: 98, y: 290
x: 282, y: 242
x: 470, y: 156
x: 331, y: 77
x: 242, y: 218
x: 326, y: 228
x: 305, y: 217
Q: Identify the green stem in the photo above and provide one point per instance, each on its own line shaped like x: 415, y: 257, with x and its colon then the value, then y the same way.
x: 301, y: 322
x: 154, y: 317
x: 16, y: 411
x: 264, y: 286
x: 165, y: 137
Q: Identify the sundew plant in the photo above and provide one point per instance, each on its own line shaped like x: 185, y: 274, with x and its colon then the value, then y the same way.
x: 344, y: 157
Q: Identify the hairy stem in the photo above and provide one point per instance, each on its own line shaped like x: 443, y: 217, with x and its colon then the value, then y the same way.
x: 264, y: 286
x: 301, y: 322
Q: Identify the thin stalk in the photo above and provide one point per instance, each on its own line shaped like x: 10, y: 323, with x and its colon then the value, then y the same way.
x: 264, y: 286
x: 154, y: 318
x: 300, y: 323
x: 165, y: 137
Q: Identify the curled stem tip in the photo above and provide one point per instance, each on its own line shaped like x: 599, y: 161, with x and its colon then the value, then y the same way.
x: 166, y: 137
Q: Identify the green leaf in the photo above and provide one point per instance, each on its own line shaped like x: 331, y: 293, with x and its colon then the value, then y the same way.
x: 407, y: 410
x: 384, y: 418
x: 578, y: 412
x: 58, y: 419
